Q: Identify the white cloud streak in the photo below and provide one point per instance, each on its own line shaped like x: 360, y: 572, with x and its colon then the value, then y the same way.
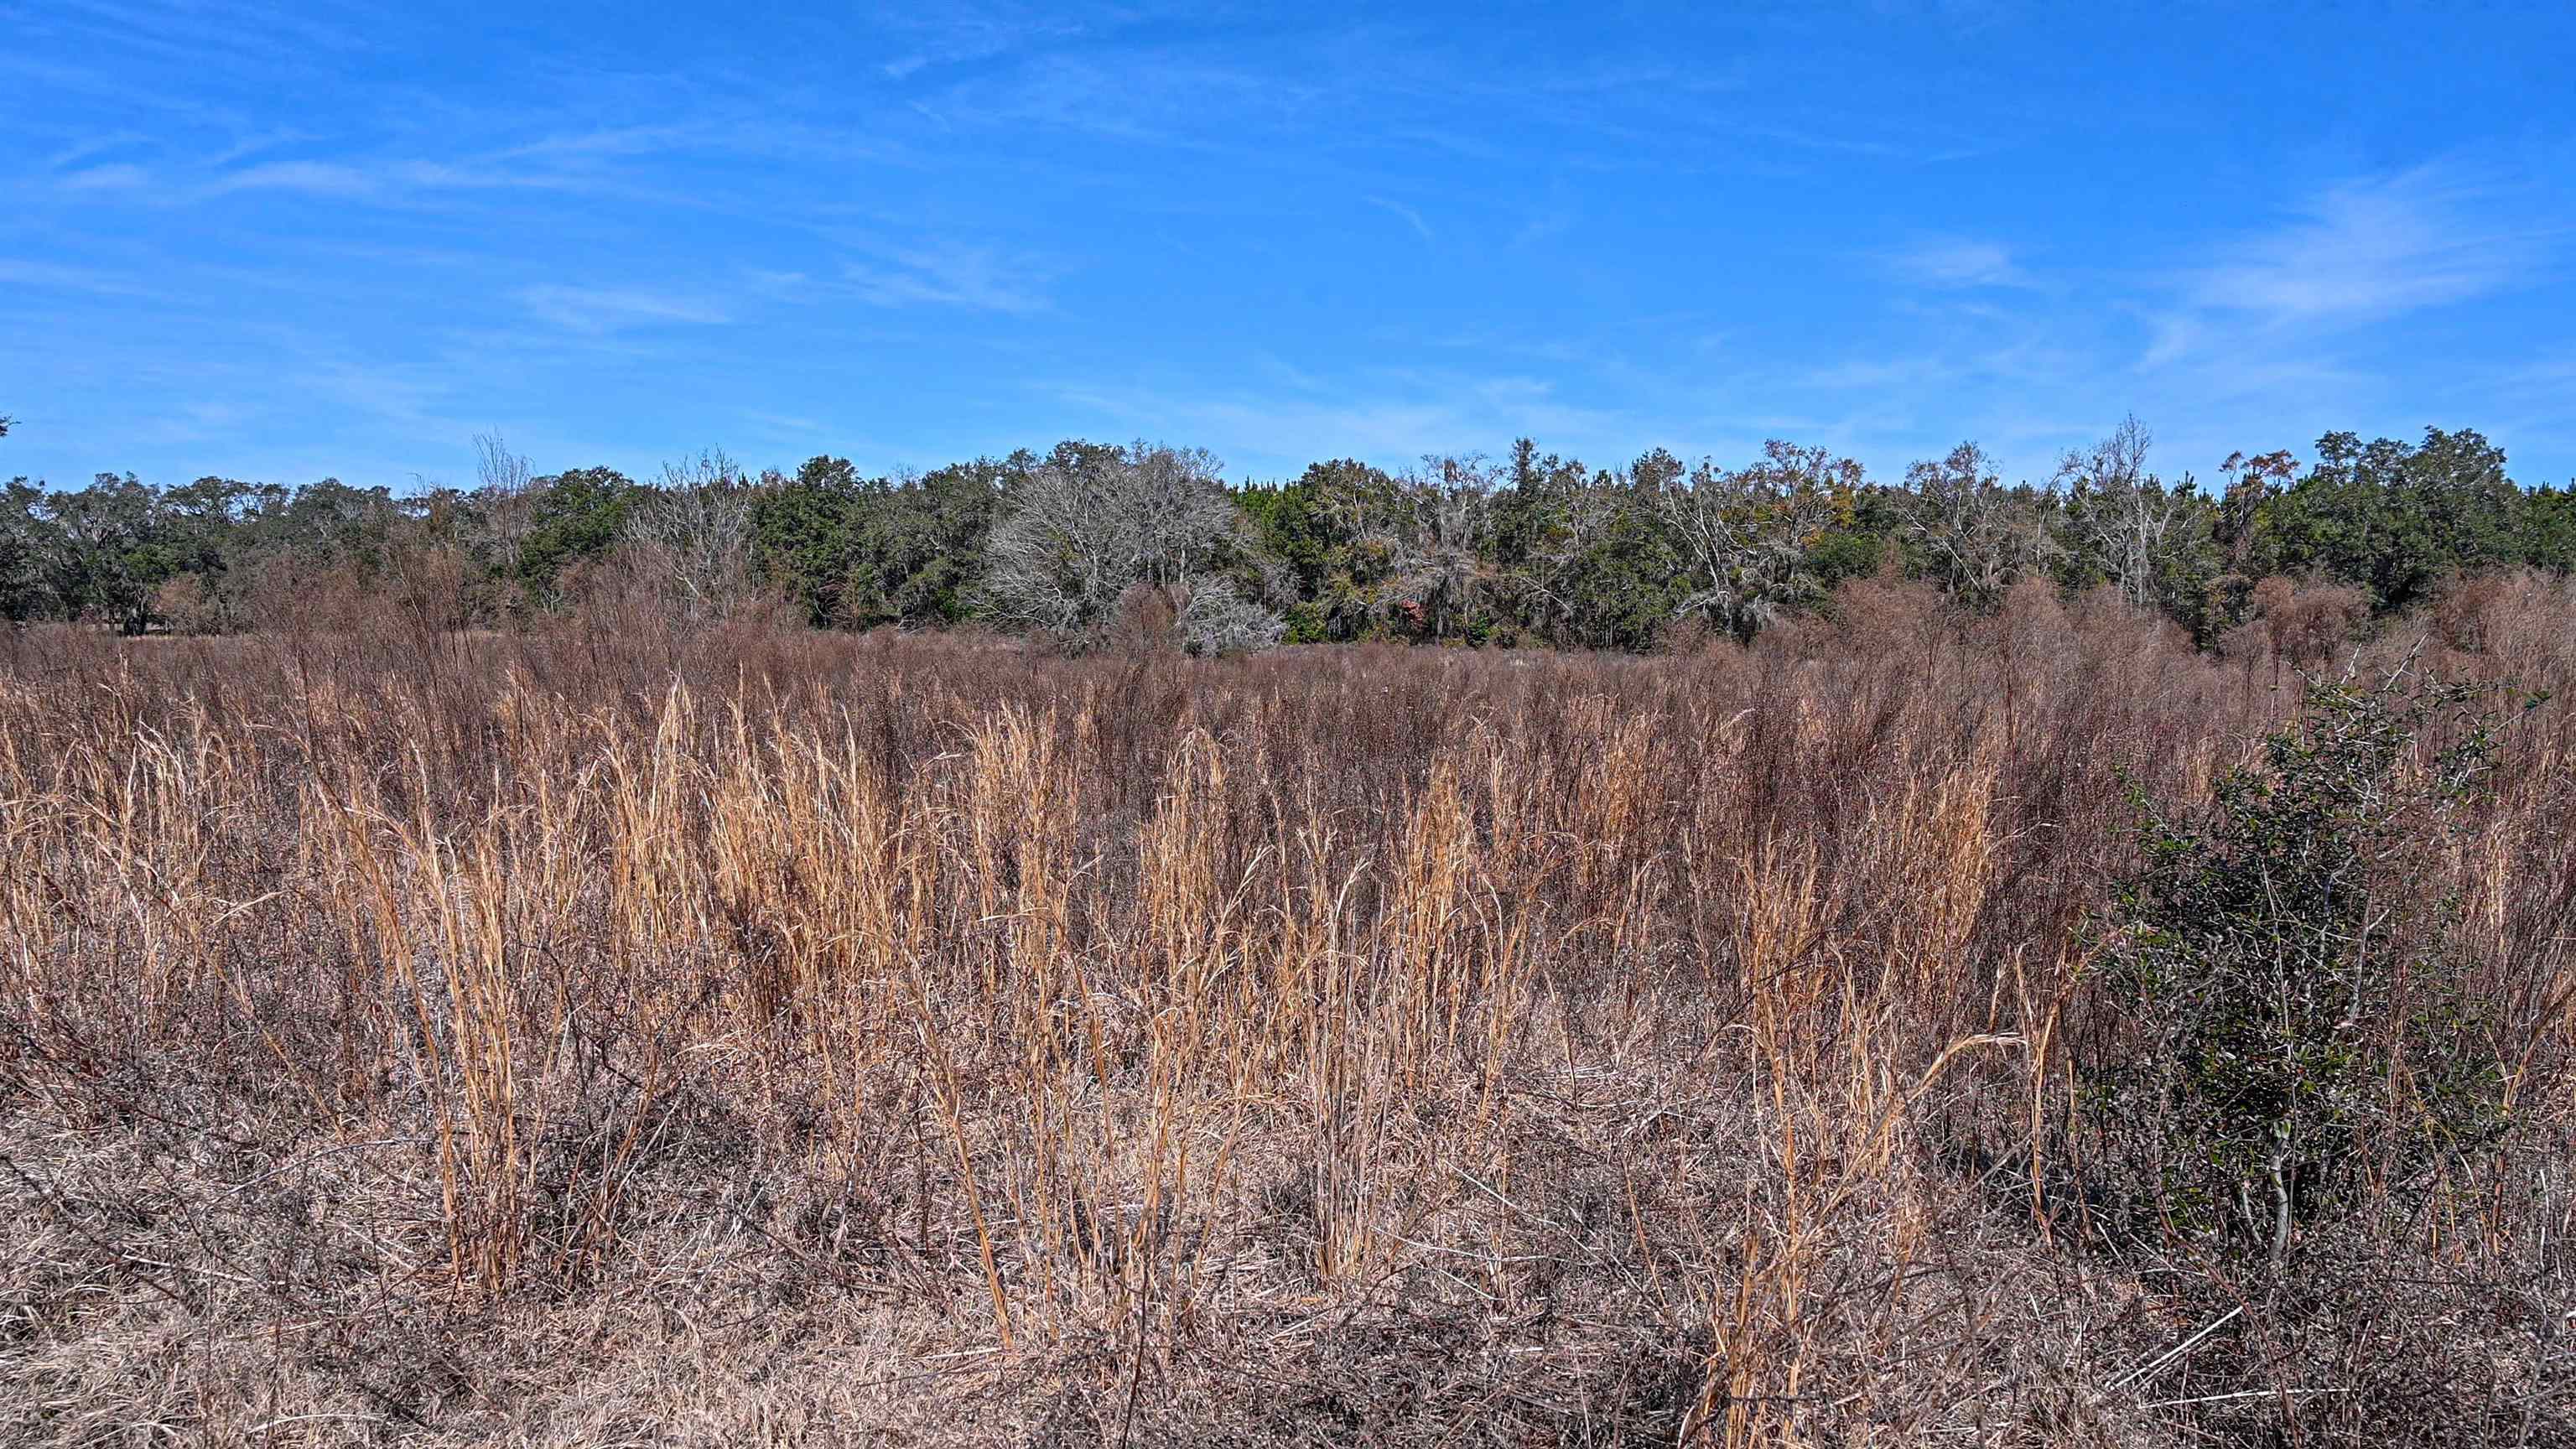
x: 596, y: 310
x: 976, y: 278
x: 1961, y: 263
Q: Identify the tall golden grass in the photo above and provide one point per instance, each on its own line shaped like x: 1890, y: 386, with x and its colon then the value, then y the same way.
x: 617, y: 1036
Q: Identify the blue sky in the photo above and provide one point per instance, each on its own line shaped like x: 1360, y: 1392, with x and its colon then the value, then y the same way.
x: 279, y: 242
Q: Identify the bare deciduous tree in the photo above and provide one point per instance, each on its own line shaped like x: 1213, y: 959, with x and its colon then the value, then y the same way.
x: 1973, y: 534
x: 1437, y: 528
x: 1078, y: 536
x: 699, y: 523
x: 1216, y: 618
x: 1745, y: 533
x: 2123, y: 519
x: 504, y: 504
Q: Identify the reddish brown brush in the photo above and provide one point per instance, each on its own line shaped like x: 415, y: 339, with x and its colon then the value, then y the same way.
x: 618, y: 1035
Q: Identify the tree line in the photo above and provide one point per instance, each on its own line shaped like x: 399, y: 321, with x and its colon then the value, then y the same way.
x: 1085, y: 540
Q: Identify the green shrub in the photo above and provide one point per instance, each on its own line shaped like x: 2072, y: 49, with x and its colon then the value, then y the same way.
x: 2299, y: 1031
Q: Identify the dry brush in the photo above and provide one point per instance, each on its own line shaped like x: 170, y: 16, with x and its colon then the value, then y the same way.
x: 609, y: 1037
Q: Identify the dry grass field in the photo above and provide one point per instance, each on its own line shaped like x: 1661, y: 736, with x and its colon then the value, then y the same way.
x: 618, y: 1037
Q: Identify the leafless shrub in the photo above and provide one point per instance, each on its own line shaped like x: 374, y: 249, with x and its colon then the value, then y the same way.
x: 1144, y: 621
x: 2301, y: 625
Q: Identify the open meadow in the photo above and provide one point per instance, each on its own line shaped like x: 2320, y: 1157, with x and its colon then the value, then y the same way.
x: 750, y: 1035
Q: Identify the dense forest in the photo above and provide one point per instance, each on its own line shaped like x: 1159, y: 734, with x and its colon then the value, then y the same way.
x: 1085, y: 541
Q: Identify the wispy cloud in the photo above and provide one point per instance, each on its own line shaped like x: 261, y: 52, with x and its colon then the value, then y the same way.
x: 781, y: 423
x: 978, y: 278
x: 116, y: 176
x: 1912, y: 151
x: 312, y: 178
x: 1958, y: 262
x: 950, y: 35
x: 598, y: 141
x: 92, y: 146
x: 243, y: 148
x: 392, y: 182
x: 1145, y: 96
x: 596, y: 310
x: 2357, y: 252
x: 57, y: 277
x: 1406, y: 214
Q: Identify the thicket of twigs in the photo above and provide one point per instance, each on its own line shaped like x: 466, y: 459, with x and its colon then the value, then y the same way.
x: 618, y: 1036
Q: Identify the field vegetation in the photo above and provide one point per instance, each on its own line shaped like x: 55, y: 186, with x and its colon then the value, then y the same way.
x: 1941, y: 1019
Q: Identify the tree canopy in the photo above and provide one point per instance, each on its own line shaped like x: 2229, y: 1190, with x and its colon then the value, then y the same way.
x: 1534, y: 549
